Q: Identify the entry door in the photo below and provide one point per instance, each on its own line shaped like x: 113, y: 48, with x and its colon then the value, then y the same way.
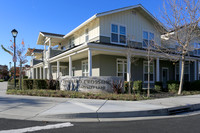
x: 165, y: 77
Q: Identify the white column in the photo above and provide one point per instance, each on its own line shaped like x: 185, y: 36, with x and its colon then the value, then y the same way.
x: 49, y: 47
x: 44, y: 73
x: 180, y: 69
x: 32, y: 69
x: 70, y: 66
x: 128, y: 67
x: 195, y: 70
x: 89, y: 63
x: 40, y: 72
x: 36, y: 73
x: 58, y: 69
x: 49, y: 71
x: 157, y: 69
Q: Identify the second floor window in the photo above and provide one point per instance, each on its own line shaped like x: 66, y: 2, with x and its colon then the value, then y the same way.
x: 71, y: 42
x: 148, y: 39
x: 118, y: 34
x: 197, y: 49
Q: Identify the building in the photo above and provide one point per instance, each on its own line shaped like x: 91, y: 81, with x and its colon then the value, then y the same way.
x: 100, y: 47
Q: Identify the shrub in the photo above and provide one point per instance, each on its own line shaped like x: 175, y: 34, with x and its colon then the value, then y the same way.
x: 195, y: 85
x: 126, y: 84
x: 158, y: 86
x: 173, y: 86
x: 53, y: 84
x: 39, y: 84
x: 137, y: 86
x: 25, y: 77
x: 1, y: 80
x: 17, y: 80
x: 117, y: 87
x: 187, y: 85
x: 27, y: 84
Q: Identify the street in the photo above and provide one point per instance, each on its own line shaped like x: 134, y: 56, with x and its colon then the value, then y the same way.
x: 187, y: 124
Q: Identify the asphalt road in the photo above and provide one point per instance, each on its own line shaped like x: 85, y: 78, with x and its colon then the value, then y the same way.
x: 189, y: 124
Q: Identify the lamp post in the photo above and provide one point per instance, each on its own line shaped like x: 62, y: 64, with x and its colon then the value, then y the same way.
x: 14, y: 33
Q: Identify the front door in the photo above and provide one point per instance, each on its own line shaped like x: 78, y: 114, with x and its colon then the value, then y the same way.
x: 164, y: 77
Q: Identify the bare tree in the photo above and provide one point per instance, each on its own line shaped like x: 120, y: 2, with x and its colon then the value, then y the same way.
x: 181, y: 19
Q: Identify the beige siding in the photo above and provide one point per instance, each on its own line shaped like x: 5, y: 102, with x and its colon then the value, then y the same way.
x: 79, y: 36
x: 135, y: 24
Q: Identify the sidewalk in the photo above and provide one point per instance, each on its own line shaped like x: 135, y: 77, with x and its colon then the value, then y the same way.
x: 65, y: 109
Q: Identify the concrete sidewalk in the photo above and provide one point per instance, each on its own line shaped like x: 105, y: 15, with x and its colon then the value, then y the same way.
x: 65, y: 109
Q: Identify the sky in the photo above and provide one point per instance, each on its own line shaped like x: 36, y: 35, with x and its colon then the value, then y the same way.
x: 29, y: 17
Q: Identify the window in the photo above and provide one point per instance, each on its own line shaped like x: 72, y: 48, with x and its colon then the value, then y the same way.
x: 118, y: 34
x: 122, y: 68
x: 71, y: 42
x: 63, y: 48
x: 145, y: 70
x: 85, y: 68
x: 86, y: 35
x: 148, y: 39
x: 186, y: 72
x: 197, y: 49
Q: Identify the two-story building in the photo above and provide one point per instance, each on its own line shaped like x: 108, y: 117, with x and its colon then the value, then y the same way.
x: 112, y: 43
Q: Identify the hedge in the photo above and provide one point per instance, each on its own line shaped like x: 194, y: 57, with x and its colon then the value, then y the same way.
x: 158, y: 86
x: 40, y: 84
x: 137, y: 86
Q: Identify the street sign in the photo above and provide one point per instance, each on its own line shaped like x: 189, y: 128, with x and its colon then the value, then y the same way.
x: 14, y: 59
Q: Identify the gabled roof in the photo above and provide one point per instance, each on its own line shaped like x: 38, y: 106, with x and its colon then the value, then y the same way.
x: 139, y: 7
x: 54, y: 36
x: 51, y: 34
x: 33, y: 50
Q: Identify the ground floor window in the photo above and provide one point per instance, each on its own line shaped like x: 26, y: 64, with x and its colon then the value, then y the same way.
x: 186, y: 72
x: 85, y: 68
x: 122, y: 68
x: 145, y: 72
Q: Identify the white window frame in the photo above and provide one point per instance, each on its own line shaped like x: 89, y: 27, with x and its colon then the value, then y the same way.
x: 124, y: 61
x: 118, y: 27
x: 197, y: 48
x: 85, y: 73
x: 184, y: 70
x: 146, y: 62
x: 148, y: 37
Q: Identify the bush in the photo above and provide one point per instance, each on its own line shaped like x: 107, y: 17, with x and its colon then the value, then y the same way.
x: 25, y: 77
x: 27, y: 84
x: 17, y: 80
x: 1, y: 80
x: 195, y: 85
x: 173, y: 86
x: 117, y: 87
x: 137, y: 86
x: 53, y: 84
x: 158, y: 86
x: 126, y: 84
x: 39, y: 84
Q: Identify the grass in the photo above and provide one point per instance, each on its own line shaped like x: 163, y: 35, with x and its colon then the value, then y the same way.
x: 106, y: 96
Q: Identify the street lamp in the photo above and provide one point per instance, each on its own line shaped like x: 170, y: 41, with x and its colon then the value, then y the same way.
x: 14, y: 33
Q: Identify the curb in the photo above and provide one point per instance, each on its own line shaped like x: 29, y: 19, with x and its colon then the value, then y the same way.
x: 131, y: 114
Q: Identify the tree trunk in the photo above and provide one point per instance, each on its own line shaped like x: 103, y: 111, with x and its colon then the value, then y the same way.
x: 148, y: 89
x: 182, y: 75
x: 20, y: 77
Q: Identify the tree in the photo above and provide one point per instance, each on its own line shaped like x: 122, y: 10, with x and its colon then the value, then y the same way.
x: 181, y: 18
x: 21, y: 57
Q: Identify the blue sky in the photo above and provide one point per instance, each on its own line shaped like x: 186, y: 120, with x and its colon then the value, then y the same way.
x: 30, y: 17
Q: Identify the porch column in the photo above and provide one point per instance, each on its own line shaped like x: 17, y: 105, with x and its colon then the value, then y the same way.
x: 89, y: 63
x: 157, y: 69
x: 180, y: 69
x: 58, y: 69
x: 128, y: 67
x: 49, y: 71
x: 70, y: 66
x: 36, y: 73
x: 40, y: 72
x: 49, y: 49
x: 44, y: 73
x: 195, y: 70
x: 32, y: 73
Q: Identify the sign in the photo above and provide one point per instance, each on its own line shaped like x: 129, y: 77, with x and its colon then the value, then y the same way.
x: 14, y: 59
x: 90, y: 84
